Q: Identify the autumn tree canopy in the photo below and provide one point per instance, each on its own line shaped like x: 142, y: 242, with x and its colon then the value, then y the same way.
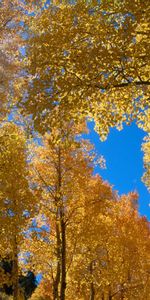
x: 92, y: 60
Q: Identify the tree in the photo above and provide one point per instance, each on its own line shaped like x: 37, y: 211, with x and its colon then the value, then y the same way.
x: 90, y: 230
x: 112, y: 261
x: 60, y: 172
x: 16, y: 198
x: 92, y: 60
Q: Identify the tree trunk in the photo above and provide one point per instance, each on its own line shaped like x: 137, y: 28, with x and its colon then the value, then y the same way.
x: 92, y: 290
x: 63, y: 258
x: 57, y: 277
x: 15, y: 271
x: 103, y: 296
x: 62, y: 231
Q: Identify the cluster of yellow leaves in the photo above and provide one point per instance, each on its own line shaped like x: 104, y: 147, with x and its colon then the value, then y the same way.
x: 90, y: 59
x: 12, y: 14
x: 146, y: 149
x: 16, y: 198
x: 9, y: 44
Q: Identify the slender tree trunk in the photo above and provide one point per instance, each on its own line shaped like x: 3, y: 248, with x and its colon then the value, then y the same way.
x: 63, y: 259
x: 61, y: 238
x: 103, y: 296
x: 15, y: 271
x: 92, y: 290
x: 57, y: 277
x: 109, y: 294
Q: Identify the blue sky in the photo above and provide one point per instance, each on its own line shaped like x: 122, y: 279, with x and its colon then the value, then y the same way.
x: 124, y: 161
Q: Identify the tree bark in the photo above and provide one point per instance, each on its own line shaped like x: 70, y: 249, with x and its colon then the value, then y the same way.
x: 15, y: 271
x: 92, y: 290
x: 57, y: 277
x: 63, y: 258
x: 110, y: 294
x: 103, y: 296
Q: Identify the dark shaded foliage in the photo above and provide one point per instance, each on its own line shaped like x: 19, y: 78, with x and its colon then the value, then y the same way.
x: 27, y: 283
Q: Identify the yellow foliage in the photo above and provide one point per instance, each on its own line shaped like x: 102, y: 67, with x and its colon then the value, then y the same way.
x: 112, y: 257
x: 91, y: 60
x: 16, y: 198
